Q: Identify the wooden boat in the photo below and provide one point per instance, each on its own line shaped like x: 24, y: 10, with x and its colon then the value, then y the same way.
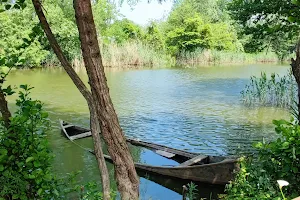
x: 192, y: 166
x: 73, y: 132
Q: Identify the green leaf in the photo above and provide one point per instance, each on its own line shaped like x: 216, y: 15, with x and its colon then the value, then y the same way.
x: 36, y: 163
x: 3, y: 152
x: 295, y: 169
x: 1, y: 168
x: 44, y: 114
x: 2, y: 60
x: 15, y: 196
x: 40, y: 191
x: 24, y: 87
x: 30, y: 176
x: 296, y: 2
x: 291, y: 19
x: 55, y: 192
x: 29, y: 159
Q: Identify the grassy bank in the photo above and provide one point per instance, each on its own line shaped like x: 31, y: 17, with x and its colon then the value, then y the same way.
x: 136, y: 54
x: 214, y: 57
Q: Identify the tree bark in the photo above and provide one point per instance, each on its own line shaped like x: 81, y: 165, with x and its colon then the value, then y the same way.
x: 296, y: 72
x: 86, y: 94
x: 94, y: 124
x: 4, y: 109
x: 127, y: 180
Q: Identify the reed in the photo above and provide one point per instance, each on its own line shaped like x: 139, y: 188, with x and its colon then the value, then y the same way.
x: 214, y: 57
x: 131, y: 55
x: 135, y: 54
x: 274, y: 91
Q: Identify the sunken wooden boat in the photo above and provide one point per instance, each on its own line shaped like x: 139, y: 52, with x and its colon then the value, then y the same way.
x: 192, y: 166
x: 73, y: 132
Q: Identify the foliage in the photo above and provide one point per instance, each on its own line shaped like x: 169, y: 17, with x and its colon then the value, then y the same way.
x: 282, y: 156
x: 193, y: 27
x: 16, y: 30
x: 192, y: 191
x: 277, y: 159
x: 105, y: 16
x: 64, y: 29
x: 276, y: 91
x: 25, y: 160
x: 124, y: 30
x: 200, y: 24
x: 154, y: 37
x: 194, y: 33
x: 269, y: 23
x: 91, y: 191
x: 252, y: 182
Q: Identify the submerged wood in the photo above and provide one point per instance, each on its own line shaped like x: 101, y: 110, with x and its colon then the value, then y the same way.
x: 195, y: 167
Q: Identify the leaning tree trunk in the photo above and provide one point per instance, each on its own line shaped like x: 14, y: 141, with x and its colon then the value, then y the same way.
x: 296, y: 72
x: 86, y: 94
x: 94, y: 124
x: 127, y: 180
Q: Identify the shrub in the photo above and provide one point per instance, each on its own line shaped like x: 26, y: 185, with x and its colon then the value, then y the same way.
x: 25, y: 160
x: 276, y: 160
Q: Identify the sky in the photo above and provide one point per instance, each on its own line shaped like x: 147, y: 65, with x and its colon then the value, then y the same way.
x: 144, y: 12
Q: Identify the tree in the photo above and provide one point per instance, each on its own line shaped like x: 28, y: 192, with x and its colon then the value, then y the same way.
x: 86, y: 94
x: 98, y: 99
x: 194, y: 33
x: 127, y: 180
x: 269, y: 22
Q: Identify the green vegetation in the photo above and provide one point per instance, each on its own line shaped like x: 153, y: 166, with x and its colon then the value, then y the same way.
x: 277, y: 160
x: 274, y: 91
x: 192, y: 191
x: 215, y: 57
x: 25, y: 160
x: 267, y: 24
x: 195, y: 32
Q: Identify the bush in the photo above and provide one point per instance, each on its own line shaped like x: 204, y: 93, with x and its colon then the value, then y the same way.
x: 25, y: 160
x: 279, y: 159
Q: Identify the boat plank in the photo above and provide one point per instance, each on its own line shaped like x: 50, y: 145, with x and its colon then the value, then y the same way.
x: 161, y: 147
x: 82, y: 135
x: 165, y: 154
x: 68, y: 126
x: 192, y: 161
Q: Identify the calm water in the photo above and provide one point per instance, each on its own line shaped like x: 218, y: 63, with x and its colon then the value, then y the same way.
x: 198, y: 110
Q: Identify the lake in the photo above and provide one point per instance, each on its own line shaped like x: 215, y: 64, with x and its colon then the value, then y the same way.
x: 197, y: 110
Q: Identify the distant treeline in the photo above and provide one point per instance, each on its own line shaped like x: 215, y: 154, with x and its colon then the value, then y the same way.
x: 195, y: 32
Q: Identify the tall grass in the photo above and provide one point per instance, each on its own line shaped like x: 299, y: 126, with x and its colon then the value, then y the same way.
x: 214, y: 57
x: 274, y: 91
x: 131, y: 55
x: 135, y: 54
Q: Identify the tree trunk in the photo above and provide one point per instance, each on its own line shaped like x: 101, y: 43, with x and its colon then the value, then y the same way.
x: 296, y: 72
x: 94, y: 124
x: 4, y: 109
x: 127, y: 180
x: 86, y: 94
